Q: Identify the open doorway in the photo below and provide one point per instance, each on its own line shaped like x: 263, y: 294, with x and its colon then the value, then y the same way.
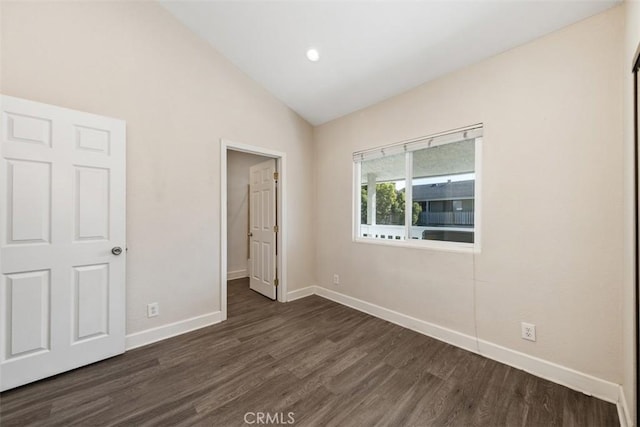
x: 239, y: 165
x: 240, y: 238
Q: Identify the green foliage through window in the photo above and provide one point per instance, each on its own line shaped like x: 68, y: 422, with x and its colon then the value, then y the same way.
x: 390, y: 205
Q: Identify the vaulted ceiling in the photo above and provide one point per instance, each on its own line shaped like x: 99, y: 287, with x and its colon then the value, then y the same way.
x: 369, y: 50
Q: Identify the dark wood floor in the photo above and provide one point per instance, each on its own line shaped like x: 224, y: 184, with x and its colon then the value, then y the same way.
x: 327, y: 364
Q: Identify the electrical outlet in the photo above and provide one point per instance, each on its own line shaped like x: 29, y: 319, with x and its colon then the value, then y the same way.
x: 153, y: 309
x: 336, y: 279
x: 528, y: 331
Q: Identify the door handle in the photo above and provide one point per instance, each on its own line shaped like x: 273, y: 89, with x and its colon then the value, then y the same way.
x: 250, y: 234
x: 117, y: 250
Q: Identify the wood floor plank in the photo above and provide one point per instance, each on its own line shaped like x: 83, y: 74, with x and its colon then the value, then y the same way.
x: 406, y: 408
x: 326, y: 364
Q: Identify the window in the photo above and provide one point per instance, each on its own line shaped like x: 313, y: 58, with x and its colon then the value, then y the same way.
x: 420, y: 191
x: 383, y: 197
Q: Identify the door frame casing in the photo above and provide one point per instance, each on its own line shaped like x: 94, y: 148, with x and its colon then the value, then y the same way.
x: 281, y: 191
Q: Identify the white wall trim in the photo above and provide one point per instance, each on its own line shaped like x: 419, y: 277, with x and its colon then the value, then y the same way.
x: 559, y: 374
x: 237, y: 274
x: 139, y: 339
x: 623, y: 410
x: 576, y: 380
x: 458, y: 339
x: 301, y: 293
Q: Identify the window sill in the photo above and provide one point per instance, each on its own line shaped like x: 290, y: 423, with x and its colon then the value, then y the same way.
x: 423, y: 244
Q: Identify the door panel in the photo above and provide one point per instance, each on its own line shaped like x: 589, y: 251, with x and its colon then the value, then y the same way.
x: 91, y: 200
x: 267, y: 274
x: 254, y: 262
x: 23, y: 128
x: 90, y: 139
x: 27, y: 313
x: 267, y: 222
x: 62, y: 210
x: 262, y: 190
x: 91, y: 303
x: 28, y: 202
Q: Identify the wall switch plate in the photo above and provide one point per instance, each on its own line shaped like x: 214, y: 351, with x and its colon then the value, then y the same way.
x: 528, y: 331
x: 153, y: 309
x: 336, y: 279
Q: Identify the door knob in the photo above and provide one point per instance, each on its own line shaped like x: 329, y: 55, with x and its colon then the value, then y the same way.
x: 117, y: 250
x: 250, y: 234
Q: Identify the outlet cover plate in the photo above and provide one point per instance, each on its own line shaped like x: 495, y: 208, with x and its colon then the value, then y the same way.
x: 528, y: 331
x: 153, y: 309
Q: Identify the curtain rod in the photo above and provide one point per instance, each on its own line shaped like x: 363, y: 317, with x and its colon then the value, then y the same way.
x: 421, y: 138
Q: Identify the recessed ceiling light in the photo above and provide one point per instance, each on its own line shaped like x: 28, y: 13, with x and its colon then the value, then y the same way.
x: 313, y: 55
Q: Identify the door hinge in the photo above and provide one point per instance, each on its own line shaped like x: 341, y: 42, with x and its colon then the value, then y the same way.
x: 276, y: 176
x: 276, y: 282
x: 275, y: 229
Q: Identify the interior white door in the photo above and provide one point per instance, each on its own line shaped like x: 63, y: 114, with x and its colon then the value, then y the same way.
x: 262, y: 228
x: 62, y: 240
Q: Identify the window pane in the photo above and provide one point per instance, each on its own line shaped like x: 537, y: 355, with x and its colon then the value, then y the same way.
x: 382, y: 197
x: 443, y: 188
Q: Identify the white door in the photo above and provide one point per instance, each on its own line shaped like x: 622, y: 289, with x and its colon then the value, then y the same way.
x: 62, y: 225
x: 262, y: 228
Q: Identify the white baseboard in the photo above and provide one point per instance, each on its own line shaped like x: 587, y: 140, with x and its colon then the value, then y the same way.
x: 623, y: 410
x: 559, y: 374
x: 237, y: 274
x: 579, y: 381
x: 458, y: 339
x: 160, y: 333
x: 301, y: 293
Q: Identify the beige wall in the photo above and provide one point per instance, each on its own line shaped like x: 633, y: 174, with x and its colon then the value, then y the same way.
x: 632, y: 40
x: 134, y: 61
x: 552, y: 200
x: 238, y: 165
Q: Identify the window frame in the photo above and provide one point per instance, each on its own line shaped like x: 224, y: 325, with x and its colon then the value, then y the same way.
x: 439, y: 245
